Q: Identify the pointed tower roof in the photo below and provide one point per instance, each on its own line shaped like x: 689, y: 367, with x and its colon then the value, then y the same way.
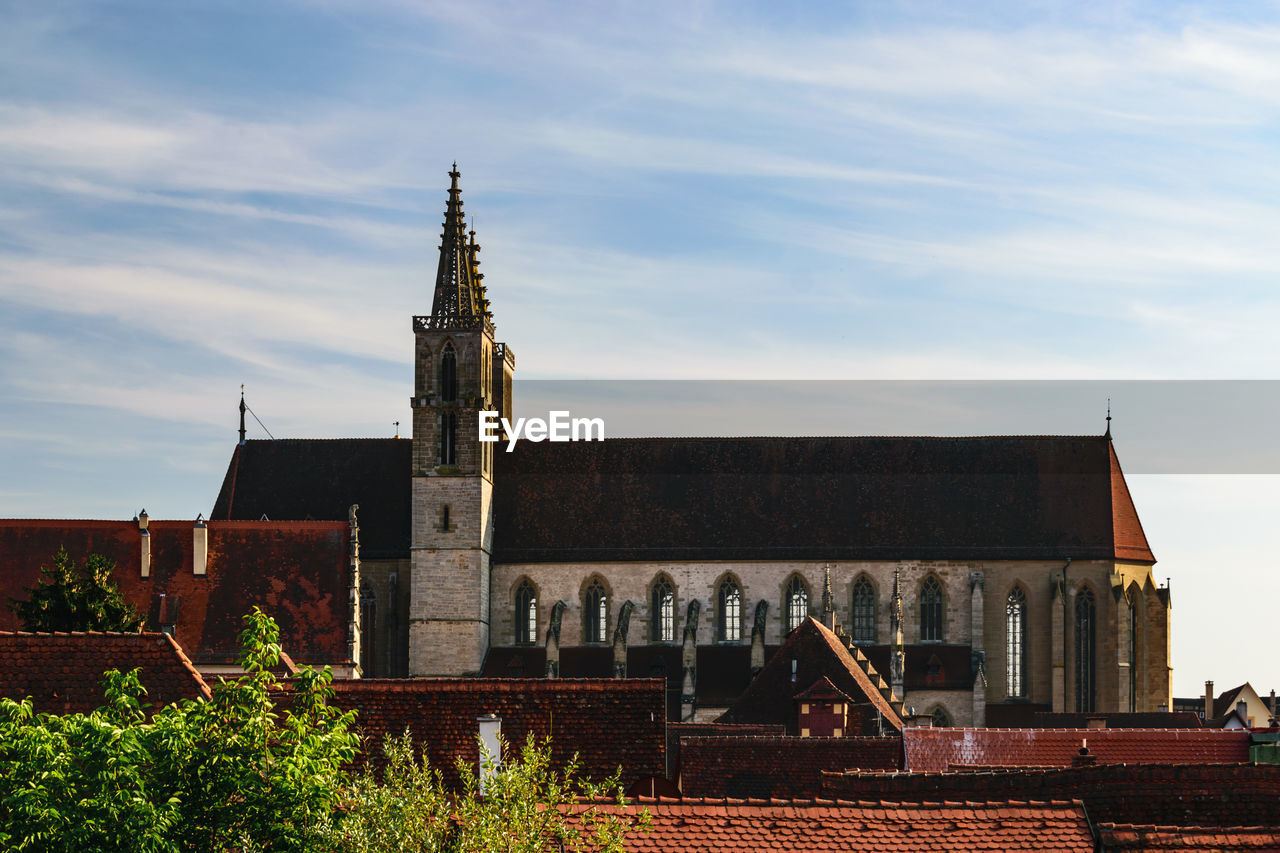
x: 460, y: 301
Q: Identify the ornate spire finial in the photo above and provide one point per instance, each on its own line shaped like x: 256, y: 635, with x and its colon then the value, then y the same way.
x: 242, y: 408
x: 1108, y: 434
x: 459, y: 301
x: 828, y: 600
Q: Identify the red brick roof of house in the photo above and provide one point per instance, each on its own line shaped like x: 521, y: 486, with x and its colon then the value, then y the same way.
x: 297, y: 572
x: 62, y: 673
x: 987, y: 497
x: 609, y: 723
x: 818, y: 653
x: 1130, y: 838
x: 1173, y: 794
x: 737, y: 826
x: 779, y: 766
x: 938, y: 749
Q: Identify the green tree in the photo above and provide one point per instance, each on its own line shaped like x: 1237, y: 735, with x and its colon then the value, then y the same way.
x: 231, y: 774
x: 528, y: 806
x: 68, y: 598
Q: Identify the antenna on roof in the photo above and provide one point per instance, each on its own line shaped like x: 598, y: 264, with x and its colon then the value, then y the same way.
x: 1108, y: 434
x: 244, y: 407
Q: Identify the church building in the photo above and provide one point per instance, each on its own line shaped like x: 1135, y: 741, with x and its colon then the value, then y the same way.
x: 984, y: 578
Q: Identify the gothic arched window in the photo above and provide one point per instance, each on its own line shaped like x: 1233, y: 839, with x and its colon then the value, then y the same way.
x: 1015, y: 633
x: 931, y: 611
x: 595, y: 613
x: 864, y: 611
x: 1133, y: 652
x: 797, y: 602
x: 940, y: 719
x: 448, y: 439
x: 729, y: 617
x: 1086, y: 617
x: 663, y: 611
x: 448, y: 374
x: 526, y: 615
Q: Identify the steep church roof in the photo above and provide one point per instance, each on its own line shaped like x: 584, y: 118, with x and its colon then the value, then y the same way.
x: 318, y: 480
x: 991, y: 497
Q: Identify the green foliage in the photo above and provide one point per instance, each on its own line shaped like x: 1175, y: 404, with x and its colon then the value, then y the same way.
x: 527, y: 807
x: 71, y: 599
x: 227, y: 774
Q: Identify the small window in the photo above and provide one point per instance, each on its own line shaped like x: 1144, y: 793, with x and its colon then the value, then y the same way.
x: 663, y: 613
x: 864, y: 611
x: 797, y: 603
x: 730, y: 615
x: 1016, y: 644
x: 931, y: 611
x: 444, y: 517
x: 595, y: 613
x: 526, y: 615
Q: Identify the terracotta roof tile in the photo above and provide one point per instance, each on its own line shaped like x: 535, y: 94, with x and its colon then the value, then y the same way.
x: 729, y: 825
x: 776, y: 766
x: 62, y: 673
x: 1131, y: 838
x: 934, y: 750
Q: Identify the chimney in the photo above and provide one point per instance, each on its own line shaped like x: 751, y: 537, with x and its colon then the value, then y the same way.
x: 200, y: 547
x: 490, y: 748
x: 1084, y: 758
x: 145, y: 535
x: 1208, y: 700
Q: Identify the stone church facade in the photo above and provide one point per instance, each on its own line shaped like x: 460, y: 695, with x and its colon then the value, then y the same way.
x: 984, y: 578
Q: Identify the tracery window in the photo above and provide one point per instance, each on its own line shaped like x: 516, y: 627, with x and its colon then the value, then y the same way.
x: 1133, y: 652
x: 526, y: 615
x: 931, y: 611
x: 595, y: 612
x: 1015, y: 631
x: 864, y: 611
x: 730, y: 612
x: 940, y: 719
x: 448, y: 374
x: 1086, y: 617
x: 663, y: 611
x: 797, y: 602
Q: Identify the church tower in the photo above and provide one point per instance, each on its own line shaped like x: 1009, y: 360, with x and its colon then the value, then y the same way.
x: 459, y: 371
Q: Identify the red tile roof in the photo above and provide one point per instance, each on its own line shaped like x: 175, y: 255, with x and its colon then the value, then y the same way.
x: 934, y: 750
x: 62, y: 673
x: 1174, y: 794
x: 780, y: 767
x: 988, y: 497
x: 1128, y: 838
x: 295, y: 571
x: 720, y: 826
x: 609, y: 723
x: 818, y: 654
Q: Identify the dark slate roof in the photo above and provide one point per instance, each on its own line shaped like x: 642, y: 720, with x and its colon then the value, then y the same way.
x: 62, y: 673
x: 297, y: 479
x: 296, y: 571
x: 996, y: 497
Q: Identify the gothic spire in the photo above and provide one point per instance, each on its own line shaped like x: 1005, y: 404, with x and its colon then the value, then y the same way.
x: 460, y: 301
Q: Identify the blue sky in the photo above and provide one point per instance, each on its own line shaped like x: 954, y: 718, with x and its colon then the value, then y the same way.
x: 196, y: 195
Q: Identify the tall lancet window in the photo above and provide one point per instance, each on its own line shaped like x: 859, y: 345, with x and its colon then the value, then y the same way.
x: 1086, y: 616
x: 931, y: 611
x: 797, y: 603
x: 526, y: 614
x: 448, y: 374
x: 1015, y: 632
x: 730, y: 615
x: 449, y: 439
x: 663, y: 611
x: 595, y: 613
x: 864, y: 611
x: 368, y: 627
x: 1133, y: 652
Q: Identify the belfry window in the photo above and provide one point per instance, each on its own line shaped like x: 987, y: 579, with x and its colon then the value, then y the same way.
x: 1015, y: 631
x: 595, y: 613
x: 526, y: 615
x: 931, y: 611
x: 797, y: 603
x: 1086, y: 616
x: 448, y: 374
x: 864, y: 611
x: 449, y: 439
x: 663, y: 613
x: 729, y: 616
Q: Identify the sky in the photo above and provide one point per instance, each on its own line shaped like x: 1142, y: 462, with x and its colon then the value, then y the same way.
x: 198, y: 195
